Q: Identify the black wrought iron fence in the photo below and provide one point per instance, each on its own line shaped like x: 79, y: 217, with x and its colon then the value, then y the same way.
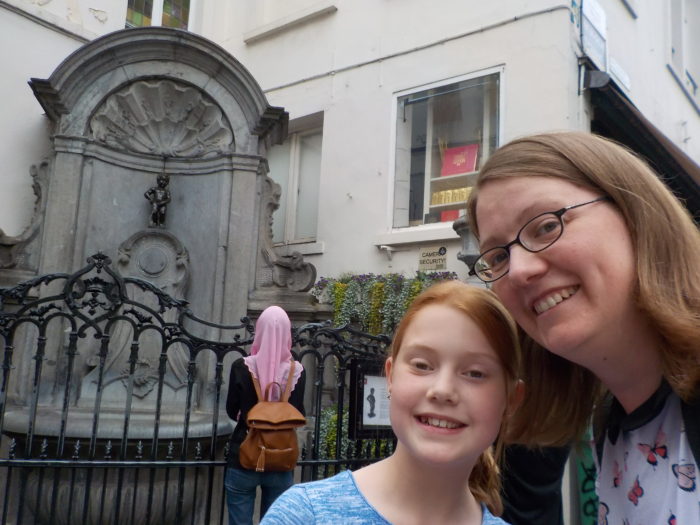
x: 112, y: 401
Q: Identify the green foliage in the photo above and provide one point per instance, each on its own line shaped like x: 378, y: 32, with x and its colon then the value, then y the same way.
x: 328, y: 434
x: 374, y: 303
x: 348, y: 447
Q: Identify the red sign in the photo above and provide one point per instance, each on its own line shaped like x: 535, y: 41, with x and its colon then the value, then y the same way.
x: 461, y: 159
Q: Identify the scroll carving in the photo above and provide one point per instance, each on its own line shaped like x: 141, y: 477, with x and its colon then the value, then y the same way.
x: 288, y: 271
x: 14, y: 250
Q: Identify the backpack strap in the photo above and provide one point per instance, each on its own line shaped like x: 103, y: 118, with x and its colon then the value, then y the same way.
x: 256, y: 384
x: 288, y: 388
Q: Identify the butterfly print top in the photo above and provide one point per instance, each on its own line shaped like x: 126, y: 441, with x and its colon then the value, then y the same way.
x: 647, y: 475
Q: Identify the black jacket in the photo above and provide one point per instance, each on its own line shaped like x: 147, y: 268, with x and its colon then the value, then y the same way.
x: 241, y: 398
x: 532, y: 485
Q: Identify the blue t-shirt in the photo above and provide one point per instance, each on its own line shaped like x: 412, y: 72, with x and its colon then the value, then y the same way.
x: 330, y: 501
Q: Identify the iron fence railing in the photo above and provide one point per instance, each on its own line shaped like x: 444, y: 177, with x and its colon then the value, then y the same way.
x: 112, y: 397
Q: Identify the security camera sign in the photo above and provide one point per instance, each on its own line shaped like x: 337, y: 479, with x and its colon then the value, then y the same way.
x: 432, y: 258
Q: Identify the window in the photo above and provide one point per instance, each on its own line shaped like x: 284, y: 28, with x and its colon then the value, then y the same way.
x: 685, y: 45
x: 167, y: 13
x: 442, y: 136
x: 296, y: 167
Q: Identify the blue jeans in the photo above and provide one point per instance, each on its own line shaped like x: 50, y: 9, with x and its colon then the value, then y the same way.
x: 240, y: 492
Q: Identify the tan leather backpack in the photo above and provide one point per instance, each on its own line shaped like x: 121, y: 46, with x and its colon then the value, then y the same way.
x: 271, y: 443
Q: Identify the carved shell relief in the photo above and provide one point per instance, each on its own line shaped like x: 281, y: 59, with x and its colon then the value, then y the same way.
x: 164, y: 118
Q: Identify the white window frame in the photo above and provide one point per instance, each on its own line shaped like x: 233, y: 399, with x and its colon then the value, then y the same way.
x: 680, y: 43
x: 298, y: 129
x: 441, y: 230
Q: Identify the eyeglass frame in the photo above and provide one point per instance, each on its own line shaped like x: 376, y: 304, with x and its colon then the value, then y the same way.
x: 506, y: 247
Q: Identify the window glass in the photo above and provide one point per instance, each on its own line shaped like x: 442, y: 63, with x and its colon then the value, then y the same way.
x: 278, y: 160
x: 167, y: 13
x: 176, y: 13
x: 296, y: 167
x: 442, y: 136
x: 307, y: 191
x: 138, y: 13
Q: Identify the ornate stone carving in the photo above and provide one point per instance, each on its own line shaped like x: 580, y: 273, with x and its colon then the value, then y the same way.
x: 159, y: 257
x: 288, y: 271
x: 14, y: 250
x: 164, y: 118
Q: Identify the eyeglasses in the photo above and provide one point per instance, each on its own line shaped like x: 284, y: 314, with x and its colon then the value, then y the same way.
x: 538, y: 234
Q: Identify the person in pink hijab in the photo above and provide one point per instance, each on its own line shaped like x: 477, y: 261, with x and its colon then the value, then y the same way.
x: 270, y: 356
x: 269, y: 362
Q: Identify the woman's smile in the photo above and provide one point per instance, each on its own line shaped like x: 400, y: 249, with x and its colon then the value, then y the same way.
x: 553, y: 299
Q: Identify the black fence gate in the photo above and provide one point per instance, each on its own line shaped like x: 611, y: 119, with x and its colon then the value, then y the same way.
x: 112, y: 399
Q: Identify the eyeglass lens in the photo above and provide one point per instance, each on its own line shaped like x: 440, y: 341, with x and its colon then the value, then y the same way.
x: 536, y: 235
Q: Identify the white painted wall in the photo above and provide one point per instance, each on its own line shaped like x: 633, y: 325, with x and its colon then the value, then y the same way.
x: 88, y: 18
x: 642, y: 46
x: 29, y: 50
x: 35, y: 37
x: 336, y: 59
x: 349, y: 62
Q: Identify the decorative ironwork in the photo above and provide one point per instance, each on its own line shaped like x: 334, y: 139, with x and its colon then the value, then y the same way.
x: 96, y: 440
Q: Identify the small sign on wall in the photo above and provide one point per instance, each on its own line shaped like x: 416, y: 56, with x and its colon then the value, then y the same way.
x: 369, y: 400
x: 432, y: 258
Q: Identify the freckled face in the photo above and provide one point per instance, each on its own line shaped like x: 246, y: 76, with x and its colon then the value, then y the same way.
x: 575, y: 298
x: 448, y: 390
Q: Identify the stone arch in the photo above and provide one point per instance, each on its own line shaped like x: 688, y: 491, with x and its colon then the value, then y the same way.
x: 93, y: 73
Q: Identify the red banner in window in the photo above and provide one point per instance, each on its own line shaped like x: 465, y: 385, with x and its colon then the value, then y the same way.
x: 449, y: 215
x: 460, y: 159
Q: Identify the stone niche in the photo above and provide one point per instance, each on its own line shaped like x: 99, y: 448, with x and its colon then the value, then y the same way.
x: 140, y: 103
x: 158, y: 161
x: 154, y: 113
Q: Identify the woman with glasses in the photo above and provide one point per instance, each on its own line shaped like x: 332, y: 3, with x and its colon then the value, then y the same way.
x: 599, y: 264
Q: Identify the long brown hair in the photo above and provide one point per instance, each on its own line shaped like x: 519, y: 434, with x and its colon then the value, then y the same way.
x: 483, y: 307
x: 561, y: 395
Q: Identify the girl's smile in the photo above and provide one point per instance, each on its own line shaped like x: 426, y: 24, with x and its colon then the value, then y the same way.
x: 439, y: 422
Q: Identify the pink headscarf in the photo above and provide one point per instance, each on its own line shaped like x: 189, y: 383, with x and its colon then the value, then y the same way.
x: 270, y: 356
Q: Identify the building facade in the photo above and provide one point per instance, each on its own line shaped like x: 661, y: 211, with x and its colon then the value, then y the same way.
x: 382, y: 97
x: 393, y: 106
